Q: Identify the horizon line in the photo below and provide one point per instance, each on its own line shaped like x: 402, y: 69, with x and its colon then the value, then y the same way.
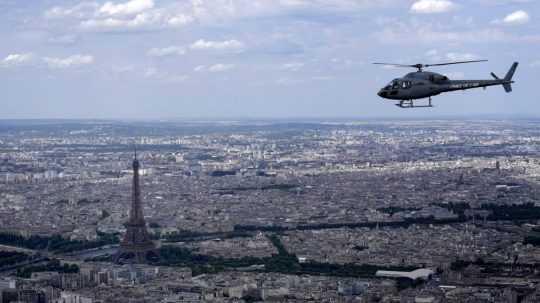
x: 287, y: 119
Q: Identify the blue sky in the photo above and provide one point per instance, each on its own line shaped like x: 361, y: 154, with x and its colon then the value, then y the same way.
x: 257, y: 58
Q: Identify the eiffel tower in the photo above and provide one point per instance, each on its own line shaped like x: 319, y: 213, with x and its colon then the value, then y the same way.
x: 137, y: 246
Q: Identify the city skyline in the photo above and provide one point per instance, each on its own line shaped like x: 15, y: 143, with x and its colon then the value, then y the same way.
x: 145, y: 59
x: 432, y: 211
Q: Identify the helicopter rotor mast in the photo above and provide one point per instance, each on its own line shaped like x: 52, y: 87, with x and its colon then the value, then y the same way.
x: 421, y: 66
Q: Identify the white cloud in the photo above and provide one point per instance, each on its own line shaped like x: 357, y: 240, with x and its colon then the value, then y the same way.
x: 167, y: 51
x: 433, y: 6
x: 120, y: 69
x: 82, y: 10
x: 341, y: 63
x: 143, y: 14
x: 417, y: 32
x: 216, y: 68
x: 517, y: 17
x: 289, y: 81
x: 200, y: 68
x: 222, y: 10
x: 322, y: 78
x: 292, y: 66
x: 127, y: 8
x: 426, y: 33
x: 153, y: 19
x: 177, y: 78
x: 432, y: 53
x: 71, y: 61
x: 217, y: 45
x: 63, y: 39
x: 136, y: 14
x: 154, y: 73
x: 219, y: 10
x: 130, y: 15
x: 17, y: 59
x: 151, y: 72
x: 461, y: 56
x: 179, y: 20
x: 435, y: 56
x: 138, y: 21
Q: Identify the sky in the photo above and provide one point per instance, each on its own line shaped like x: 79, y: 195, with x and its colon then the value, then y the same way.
x: 162, y: 59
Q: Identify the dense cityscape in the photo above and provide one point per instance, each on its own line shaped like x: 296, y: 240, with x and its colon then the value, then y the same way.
x: 282, y: 211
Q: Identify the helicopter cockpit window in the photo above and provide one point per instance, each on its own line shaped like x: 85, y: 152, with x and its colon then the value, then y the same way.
x: 395, y: 84
x: 405, y: 84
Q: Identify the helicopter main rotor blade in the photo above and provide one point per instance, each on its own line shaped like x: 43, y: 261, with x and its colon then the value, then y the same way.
x: 394, y: 64
x: 457, y: 62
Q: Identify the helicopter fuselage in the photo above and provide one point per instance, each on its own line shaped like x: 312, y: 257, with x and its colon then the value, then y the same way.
x: 419, y: 85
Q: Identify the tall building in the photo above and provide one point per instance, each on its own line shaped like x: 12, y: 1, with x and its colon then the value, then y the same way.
x: 137, y: 246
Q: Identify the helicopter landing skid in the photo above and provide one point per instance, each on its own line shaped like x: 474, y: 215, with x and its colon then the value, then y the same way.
x: 410, y: 104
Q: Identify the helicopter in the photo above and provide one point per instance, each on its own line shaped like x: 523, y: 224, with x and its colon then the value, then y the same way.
x: 421, y: 84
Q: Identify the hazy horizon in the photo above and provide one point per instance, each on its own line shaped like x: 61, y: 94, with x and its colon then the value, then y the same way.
x: 396, y: 118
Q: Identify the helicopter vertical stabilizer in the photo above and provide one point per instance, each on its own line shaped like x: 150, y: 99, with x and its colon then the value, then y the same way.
x: 508, y: 78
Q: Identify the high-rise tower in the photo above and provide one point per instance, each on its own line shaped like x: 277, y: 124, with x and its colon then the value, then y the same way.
x: 137, y: 246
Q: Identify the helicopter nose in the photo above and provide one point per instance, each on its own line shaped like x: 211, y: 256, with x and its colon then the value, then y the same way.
x: 382, y: 94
